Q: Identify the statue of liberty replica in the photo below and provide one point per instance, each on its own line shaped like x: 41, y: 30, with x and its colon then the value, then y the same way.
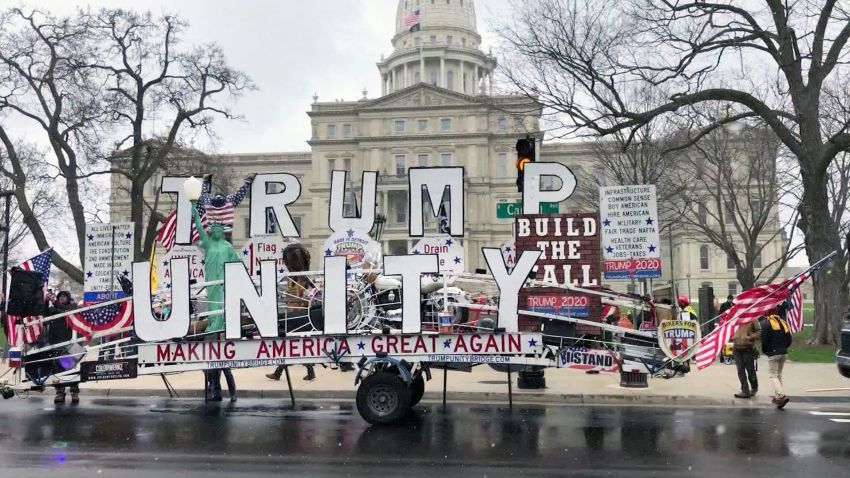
x: 217, y: 251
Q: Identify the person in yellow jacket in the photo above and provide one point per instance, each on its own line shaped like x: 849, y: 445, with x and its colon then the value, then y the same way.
x: 775, y: 340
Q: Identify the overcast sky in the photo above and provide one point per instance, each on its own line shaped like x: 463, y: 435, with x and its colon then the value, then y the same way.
x: 292, y: 49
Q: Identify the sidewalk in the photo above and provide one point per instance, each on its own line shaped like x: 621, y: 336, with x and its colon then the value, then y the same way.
x: 714, y: 386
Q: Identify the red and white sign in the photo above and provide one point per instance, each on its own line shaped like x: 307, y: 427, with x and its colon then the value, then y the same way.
x: 264, y: 248
x: 196, y: 264
x: 247, y: 353
x: 570, y: 256
x: 448, y: 249
x: 631, y: 246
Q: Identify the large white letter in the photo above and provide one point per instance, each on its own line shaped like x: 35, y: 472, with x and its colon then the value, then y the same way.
x: 436, y: 180
x: 532, y: 196
x: 411, y: 267
x: 337, y: 220
x: 509, y: 284
x: 262, y: 200
x: 334, y: 302
x: 149, y: 328
x: 174, y: 185
x: 262, y: 307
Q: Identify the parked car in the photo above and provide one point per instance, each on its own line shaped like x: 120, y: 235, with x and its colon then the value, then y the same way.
x: 842, y: 358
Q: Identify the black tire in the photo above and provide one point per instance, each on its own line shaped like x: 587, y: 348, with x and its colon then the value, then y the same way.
x: 417, y: 390
x: 383, y: 398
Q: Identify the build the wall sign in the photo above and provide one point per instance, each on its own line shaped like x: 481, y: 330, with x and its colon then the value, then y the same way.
x: 631, y: 246
x: 569, y: 245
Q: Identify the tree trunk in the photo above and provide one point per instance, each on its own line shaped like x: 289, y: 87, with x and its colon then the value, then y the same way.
x: 137, y: 215
x: 822, y: 238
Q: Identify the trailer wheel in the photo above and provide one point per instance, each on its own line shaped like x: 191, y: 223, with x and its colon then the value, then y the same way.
x: 383, y: 398
x: 417, y: 390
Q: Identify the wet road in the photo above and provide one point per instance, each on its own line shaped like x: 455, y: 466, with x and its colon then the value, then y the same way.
x: 175, y: 438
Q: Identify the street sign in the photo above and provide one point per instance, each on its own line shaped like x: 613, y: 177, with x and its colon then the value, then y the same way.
x: 508, y: 210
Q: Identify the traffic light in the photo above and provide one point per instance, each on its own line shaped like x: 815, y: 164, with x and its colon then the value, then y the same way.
x: 524, y: 154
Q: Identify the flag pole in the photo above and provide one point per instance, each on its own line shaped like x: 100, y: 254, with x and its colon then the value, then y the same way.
x: 817, y: 264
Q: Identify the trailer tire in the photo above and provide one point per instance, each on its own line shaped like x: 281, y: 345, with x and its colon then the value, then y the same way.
x: 383, y: 398
x: 417, y: 390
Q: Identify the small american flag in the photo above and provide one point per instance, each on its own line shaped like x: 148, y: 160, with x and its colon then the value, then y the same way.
x: 794, y: 316
x: 33, y: 328
x: 167, y: 234
x: 112, y: 316
x: 412, y: 19
x: 749, y: 306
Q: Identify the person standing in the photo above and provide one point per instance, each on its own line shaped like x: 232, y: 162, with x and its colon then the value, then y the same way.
x: 296, y: 258
x: 726, y: 305
x: 775, y: 340
x: 745, y: 353
x: 57, y: 331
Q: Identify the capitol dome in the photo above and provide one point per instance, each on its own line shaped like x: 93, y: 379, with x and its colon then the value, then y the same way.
x: 436, y: 42
x: 442, y: 14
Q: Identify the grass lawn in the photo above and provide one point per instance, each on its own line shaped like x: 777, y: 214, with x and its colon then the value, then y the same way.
x: 800, y: 352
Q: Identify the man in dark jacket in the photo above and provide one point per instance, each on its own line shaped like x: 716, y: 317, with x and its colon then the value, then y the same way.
x: 58, y: 331
x: 726, y: 305
x: 775, y: 340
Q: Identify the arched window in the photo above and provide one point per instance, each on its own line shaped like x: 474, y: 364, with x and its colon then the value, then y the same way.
x: 450, y: 79
x: 703, y: 257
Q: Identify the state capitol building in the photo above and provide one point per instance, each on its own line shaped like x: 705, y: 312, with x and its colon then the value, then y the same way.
x: 436, y: 109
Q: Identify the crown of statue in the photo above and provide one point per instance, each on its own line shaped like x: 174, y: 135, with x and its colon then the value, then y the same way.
x: 227, y: 227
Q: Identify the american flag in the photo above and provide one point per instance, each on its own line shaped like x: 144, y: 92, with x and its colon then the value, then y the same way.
x: 749, y: 306
x: 112, y: 316
x: 33, y: 328
x: 221, y: 209
x: 412, y: 19
x: 794, y: 316
x: 167, y: 234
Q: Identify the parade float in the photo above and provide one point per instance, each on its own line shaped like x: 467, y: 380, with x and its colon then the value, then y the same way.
x: 395, y: 318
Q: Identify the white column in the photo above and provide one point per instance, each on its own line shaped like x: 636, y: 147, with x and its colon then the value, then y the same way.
x: 475, y: 81
x: 383, y: 84
x: 395, y: 80
x: 422, y: 77
x: 462, y: 79
x: 406, y: 80
x: 442, y: 82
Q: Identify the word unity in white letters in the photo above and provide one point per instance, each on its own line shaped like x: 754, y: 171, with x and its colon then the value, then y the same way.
x: 260, y: 300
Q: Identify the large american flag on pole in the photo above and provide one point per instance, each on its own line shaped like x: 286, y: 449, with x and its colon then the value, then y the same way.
x: 32, y: 326
x: 749, y: 306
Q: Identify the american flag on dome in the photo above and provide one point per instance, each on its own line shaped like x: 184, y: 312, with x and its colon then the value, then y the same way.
x: 412, y: 21
x: 107, y: 317
x: 33, y: 328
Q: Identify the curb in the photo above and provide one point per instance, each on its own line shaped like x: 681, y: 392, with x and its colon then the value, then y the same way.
x: 521, y: 397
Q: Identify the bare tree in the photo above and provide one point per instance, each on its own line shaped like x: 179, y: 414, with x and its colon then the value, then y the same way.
x: 148, y: 77
x: 36, y: 188
x: 97, y: 82
x: 782, y: 62
x: 732, y: 200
